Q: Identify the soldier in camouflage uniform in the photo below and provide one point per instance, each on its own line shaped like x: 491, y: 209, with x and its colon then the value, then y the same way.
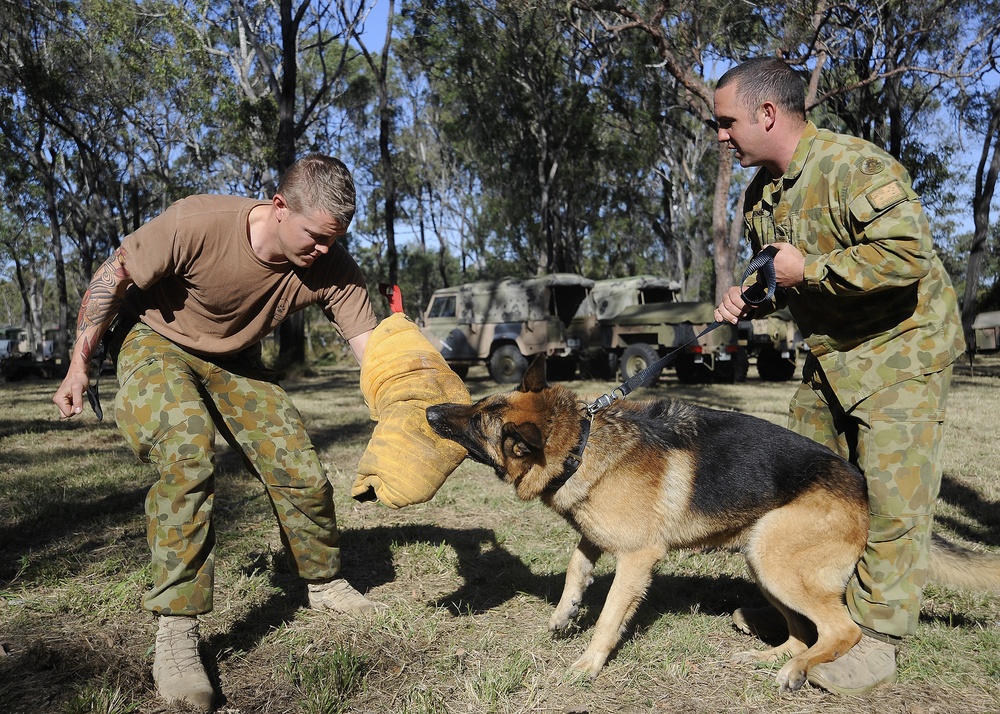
x: 857, y: 268
x: 203, y: 283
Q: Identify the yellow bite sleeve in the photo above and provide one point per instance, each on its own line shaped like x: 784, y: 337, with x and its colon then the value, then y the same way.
x: 402, y: 374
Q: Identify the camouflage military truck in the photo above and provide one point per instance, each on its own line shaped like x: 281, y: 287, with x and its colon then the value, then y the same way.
x: 502, y: 323
x: 775, y: 342
x: 17, y: 360
x: 986, y: 327
x: 641, y: 320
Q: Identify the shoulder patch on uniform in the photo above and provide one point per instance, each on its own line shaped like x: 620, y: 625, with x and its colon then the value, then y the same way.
x: 886, y: 195
x: 871, y: 166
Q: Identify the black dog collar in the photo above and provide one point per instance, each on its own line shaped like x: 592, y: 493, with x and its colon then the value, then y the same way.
x: 573, y: 460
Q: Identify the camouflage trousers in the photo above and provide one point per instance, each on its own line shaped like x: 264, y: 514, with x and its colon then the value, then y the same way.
x: 168, y: 408
x: 895, y: 438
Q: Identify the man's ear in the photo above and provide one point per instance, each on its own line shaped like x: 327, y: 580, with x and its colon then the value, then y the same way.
x: 280, y: 206
x: 770, y: 114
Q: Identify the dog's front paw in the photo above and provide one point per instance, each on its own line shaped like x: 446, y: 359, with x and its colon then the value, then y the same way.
x: 590, y: 664
x: 791, y: 677
x: 562, y: 618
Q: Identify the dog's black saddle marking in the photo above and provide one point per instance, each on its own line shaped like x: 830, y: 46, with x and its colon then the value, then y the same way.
x: 573, y: 460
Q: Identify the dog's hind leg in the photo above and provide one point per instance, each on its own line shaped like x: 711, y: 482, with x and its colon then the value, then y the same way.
x: 802, y: 555
x: 837, y: 633
x: 632, y: 577
x: 579, y: 574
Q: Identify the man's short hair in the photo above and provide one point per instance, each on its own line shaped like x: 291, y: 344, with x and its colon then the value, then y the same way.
x: 764, y: 79
x: 320, y: 183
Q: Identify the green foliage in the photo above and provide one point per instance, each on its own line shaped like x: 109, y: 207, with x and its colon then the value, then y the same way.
x: 97, y: 699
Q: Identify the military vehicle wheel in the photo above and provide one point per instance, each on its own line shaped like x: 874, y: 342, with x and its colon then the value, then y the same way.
x: 772, y: 367
x: 600, y: 365
x: 691, y: 372
x: 636, y: 358
x: 507, y: 365
x: 734, y: 371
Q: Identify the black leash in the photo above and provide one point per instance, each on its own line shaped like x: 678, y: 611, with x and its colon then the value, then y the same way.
x: 763, y: 263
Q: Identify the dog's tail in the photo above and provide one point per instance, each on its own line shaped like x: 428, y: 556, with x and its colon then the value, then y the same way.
x: 957, y: 566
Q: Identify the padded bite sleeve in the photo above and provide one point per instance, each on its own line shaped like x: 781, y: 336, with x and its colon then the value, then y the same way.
x: 402, y: 374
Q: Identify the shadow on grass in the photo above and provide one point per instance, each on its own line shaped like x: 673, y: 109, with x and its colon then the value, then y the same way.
x: 492, y: 575
x: 53, y: 522
x: 966, y: 499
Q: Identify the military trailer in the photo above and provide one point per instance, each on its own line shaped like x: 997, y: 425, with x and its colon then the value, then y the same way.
x: 641, y: 321
x: 502, y: 323
x: 986, y: 327
x: 17, y: 360
x: 775, y: 342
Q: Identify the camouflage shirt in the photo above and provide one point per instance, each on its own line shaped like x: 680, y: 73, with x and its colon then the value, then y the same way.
x: 877, y: 306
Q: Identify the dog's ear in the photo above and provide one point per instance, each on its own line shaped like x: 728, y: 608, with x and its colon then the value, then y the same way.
x: 534, y: 377
x: 522, y: 440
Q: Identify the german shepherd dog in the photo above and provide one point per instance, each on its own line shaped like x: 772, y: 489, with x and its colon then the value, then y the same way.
x: 654, y: 476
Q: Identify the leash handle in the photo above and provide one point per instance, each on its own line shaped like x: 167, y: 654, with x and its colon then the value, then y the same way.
x: 763, y: 263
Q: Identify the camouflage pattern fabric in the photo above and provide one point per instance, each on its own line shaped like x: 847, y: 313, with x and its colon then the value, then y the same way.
x: 877, y: 306
x: 880, y: 317
x: 168, y: 408
x: 894, y: 437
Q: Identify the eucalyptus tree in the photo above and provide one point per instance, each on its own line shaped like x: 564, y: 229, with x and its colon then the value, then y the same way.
x: 981, y: 111
x: 691, y: 38
x: 660, y: 165
x: 74, y: 78
x: 282, y: 66
x: 522, y: 113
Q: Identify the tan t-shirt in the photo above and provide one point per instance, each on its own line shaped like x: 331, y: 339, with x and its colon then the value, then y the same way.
x: 201, y: 286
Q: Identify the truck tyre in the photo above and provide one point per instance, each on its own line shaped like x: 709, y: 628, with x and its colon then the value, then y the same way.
x: 733, y: 371
x: 636, y: 358
x: 602, y: 365
x: 507, y: 365
x: 772, y: 367
x: 691, y: 372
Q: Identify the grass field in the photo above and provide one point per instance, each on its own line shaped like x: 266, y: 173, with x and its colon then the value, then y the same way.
x: 469, y: 578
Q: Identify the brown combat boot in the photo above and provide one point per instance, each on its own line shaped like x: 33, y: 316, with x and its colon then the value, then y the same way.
x: 177, y: 669
x: 338, y: 595
x: 868, y: 664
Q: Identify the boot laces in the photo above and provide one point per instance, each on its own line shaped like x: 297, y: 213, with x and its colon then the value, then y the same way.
x: 177, y: 639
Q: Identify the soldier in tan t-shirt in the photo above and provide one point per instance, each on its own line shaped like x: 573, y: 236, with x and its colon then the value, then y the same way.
x: 204, y: 282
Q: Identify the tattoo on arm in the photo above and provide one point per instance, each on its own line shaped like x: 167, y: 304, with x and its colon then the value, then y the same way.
x: 101, y: 302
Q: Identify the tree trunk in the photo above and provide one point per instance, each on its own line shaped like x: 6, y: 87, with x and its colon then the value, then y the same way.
x: 986, y: 179
x: 291, y: 332
x: 725, y: 256
x: 384, y: 134
x: 62, y: 334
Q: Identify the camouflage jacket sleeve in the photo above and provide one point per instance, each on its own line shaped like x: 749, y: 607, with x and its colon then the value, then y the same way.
x: 875, y: 292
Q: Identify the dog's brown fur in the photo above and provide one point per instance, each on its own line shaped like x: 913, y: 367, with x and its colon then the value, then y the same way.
x: 661, y: 475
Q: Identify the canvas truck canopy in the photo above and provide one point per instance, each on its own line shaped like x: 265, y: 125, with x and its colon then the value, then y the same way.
x: 612, y: 296
x: 986, y: 319
x: 518, y: 299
